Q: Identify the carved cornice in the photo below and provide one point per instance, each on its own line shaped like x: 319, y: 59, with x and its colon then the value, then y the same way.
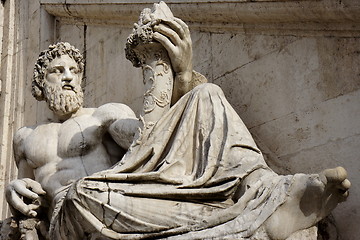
x: 214, y: 15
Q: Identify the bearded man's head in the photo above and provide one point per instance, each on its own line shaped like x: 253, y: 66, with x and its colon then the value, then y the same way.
x: 62, y: 99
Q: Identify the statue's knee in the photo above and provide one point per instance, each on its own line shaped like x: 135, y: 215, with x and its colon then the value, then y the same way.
x: 208, y: 89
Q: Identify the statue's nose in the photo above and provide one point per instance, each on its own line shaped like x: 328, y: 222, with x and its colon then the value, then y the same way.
x: 68, y: 76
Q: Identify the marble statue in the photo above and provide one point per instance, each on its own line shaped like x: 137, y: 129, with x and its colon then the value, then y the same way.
x: 187, y: 168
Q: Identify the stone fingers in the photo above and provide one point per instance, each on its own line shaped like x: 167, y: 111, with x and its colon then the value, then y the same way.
x: 34, y: 186
x: 185, y: 28
x: 180, y: 28
x: 168, y: 32
x: 346, y: 184
x: 344, y: 187
x: 17, y: 203
x: 22, y: 189
x: 167, y: 44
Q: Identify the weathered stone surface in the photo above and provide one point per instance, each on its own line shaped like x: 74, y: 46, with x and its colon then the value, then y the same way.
x: 336, y: 57
x: 9, y: 230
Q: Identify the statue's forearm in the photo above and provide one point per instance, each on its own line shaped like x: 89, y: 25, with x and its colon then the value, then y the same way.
x: 182, y: 84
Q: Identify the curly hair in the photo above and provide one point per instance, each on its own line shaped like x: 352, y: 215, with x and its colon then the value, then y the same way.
x: 45, y: 57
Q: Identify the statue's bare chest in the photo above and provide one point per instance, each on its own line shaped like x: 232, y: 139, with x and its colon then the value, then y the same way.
x: 78, y: 136
x: 57, y: 141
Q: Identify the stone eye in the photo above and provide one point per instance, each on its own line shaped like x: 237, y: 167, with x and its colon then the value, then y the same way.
x: 74, y: 70
x: 55, y: 70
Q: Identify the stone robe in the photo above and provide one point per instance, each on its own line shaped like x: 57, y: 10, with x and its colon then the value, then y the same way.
x: 179, y: 180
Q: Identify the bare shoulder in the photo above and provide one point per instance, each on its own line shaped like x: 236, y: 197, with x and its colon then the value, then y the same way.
x: 22, y: 134
x: 18, y: 141
x: 87, y: 111
x: 114, y: 111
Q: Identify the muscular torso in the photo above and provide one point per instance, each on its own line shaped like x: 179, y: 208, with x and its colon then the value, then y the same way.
x: 61, y: 153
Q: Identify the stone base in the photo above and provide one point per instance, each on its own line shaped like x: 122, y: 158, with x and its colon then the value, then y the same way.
x: 306, y: 234
x: 9, y: 230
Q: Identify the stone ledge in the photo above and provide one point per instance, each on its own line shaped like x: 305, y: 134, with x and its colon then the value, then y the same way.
x: 217, y: 12
x: 167, y: 1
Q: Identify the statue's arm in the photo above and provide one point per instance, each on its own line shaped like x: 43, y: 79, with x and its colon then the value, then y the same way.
x: 121, y: 124
x: 123, y: 131
x: 23, y: 194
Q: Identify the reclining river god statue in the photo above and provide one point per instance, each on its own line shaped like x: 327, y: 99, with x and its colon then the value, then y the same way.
x: 187, y: 168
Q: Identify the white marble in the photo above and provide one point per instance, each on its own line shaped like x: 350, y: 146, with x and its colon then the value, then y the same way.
x: 327, y: 36
x: 188, y: 171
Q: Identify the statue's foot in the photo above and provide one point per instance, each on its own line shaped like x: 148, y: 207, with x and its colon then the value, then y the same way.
x: 310, y: 199
x: 336, y: 188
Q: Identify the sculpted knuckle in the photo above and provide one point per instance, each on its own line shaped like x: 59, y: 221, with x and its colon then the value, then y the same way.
x: 18, y: 184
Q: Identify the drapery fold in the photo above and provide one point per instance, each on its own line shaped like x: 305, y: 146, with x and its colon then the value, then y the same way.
x: 180, y: 178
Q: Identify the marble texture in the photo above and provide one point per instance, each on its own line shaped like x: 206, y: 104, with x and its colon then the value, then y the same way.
x: 335, y: 45
x: 189, y: 171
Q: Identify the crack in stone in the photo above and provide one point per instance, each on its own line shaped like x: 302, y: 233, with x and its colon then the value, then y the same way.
x: 82, y: 147
x: 255, y: 59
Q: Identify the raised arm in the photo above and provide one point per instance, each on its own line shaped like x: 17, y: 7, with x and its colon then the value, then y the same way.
x: 160, y: 26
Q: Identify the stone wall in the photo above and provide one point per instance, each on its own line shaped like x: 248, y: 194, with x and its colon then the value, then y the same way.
x: 11, y: 100
x: 1, y: 29
x: 292, y: 74
x: 299, y: 96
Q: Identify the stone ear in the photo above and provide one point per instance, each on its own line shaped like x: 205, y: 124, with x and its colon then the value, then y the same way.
x: 37, y: 91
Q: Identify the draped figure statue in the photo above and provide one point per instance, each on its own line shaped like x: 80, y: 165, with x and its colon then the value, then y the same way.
x: 187, y: 168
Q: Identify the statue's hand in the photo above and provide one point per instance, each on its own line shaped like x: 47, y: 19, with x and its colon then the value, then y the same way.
x: 174, y: 35
x: 19, y: 190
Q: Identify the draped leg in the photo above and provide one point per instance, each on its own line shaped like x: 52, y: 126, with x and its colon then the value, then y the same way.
x: 182, y: 175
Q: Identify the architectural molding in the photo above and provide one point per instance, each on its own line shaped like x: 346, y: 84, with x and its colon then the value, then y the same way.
x: 274, y: 16
x: 258, y: 11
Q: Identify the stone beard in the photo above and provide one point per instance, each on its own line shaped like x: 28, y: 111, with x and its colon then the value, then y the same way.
x: 62, y: 101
